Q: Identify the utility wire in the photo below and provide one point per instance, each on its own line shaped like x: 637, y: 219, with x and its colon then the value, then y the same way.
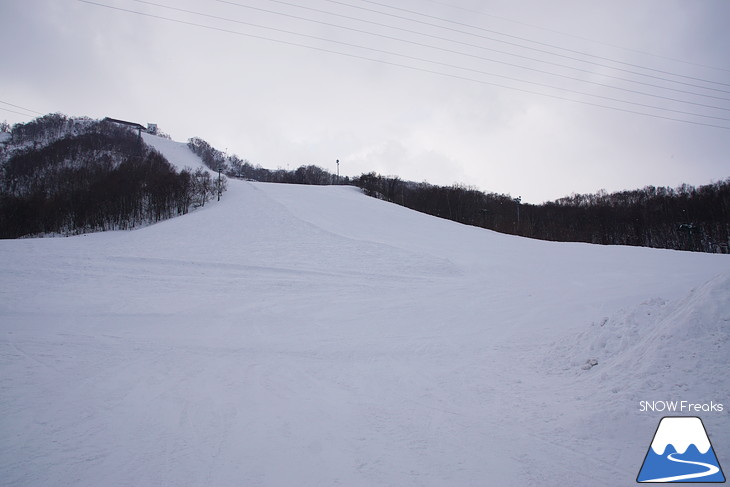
x: 461, y: 53
x: 414, y: 68
x: 18, y: 106
x: 467, y: 44
x: 536, y: 49
x: 447, y: 65
x: 574, y: 36
x: 18, y: 113
x: 373, y: 2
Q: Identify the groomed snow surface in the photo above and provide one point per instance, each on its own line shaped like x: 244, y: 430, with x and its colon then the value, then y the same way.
x: 312, y: 336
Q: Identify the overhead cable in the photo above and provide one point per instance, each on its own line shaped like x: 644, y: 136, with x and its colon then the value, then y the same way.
x: 511, y: 36
x: 474, y: 56
x: 414, y: 68
x: 574, y: 36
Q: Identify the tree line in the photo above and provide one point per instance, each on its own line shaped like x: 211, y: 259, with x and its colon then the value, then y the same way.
x: 69, y: 176
x: 235, y: 167
x: 684, y: 218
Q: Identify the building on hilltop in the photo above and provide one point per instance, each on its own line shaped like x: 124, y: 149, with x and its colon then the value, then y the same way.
x: 133, y: 125
x: 151, y: 127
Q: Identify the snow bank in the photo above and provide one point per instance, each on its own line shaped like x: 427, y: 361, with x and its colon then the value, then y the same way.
x: 659, y: 347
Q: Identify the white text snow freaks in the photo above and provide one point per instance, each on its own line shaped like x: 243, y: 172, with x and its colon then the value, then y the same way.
x: 679, y: 406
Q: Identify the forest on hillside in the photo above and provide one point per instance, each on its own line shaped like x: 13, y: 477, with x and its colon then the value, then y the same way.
x: 62, y: 176
x: 683, y: 218
x: 235, y: 167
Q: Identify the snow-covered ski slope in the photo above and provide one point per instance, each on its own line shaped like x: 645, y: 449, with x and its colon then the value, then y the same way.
x: 312, y: 336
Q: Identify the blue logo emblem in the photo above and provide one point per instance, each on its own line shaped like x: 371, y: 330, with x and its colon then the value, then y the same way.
x: 681, y: 452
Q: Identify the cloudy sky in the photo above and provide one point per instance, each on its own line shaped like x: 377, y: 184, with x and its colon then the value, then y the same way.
x: 531, y: 98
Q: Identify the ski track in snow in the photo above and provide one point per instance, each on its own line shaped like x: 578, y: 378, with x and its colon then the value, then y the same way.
x: 312, y: 336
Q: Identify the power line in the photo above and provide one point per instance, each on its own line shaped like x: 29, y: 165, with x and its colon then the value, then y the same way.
x: 18, y: 113
x: 461, y: 53
x: 414, y: 68
x: 574, y: 36
x: 536, y: 49
x: 373, y: 2
x: 18, y: 106
x: 448, y: 65
x: 491, y: 49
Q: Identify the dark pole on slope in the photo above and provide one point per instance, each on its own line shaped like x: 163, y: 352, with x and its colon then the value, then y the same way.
x: 219, y: 181
x: 338, y: 171
x: 220, y: 163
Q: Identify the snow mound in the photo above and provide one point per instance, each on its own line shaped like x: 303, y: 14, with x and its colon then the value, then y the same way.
x: 658, y: 347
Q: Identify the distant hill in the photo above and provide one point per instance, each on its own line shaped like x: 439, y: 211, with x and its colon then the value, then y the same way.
x: 64, y: 176
x: 61, y: 175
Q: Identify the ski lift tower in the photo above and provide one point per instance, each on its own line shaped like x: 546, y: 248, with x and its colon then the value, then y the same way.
x: 338, y: 171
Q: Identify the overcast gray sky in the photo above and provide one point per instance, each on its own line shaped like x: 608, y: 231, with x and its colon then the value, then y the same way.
x: 508, y: 96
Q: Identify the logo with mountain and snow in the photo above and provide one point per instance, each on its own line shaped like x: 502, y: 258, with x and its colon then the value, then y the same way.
x: 681, y: 452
